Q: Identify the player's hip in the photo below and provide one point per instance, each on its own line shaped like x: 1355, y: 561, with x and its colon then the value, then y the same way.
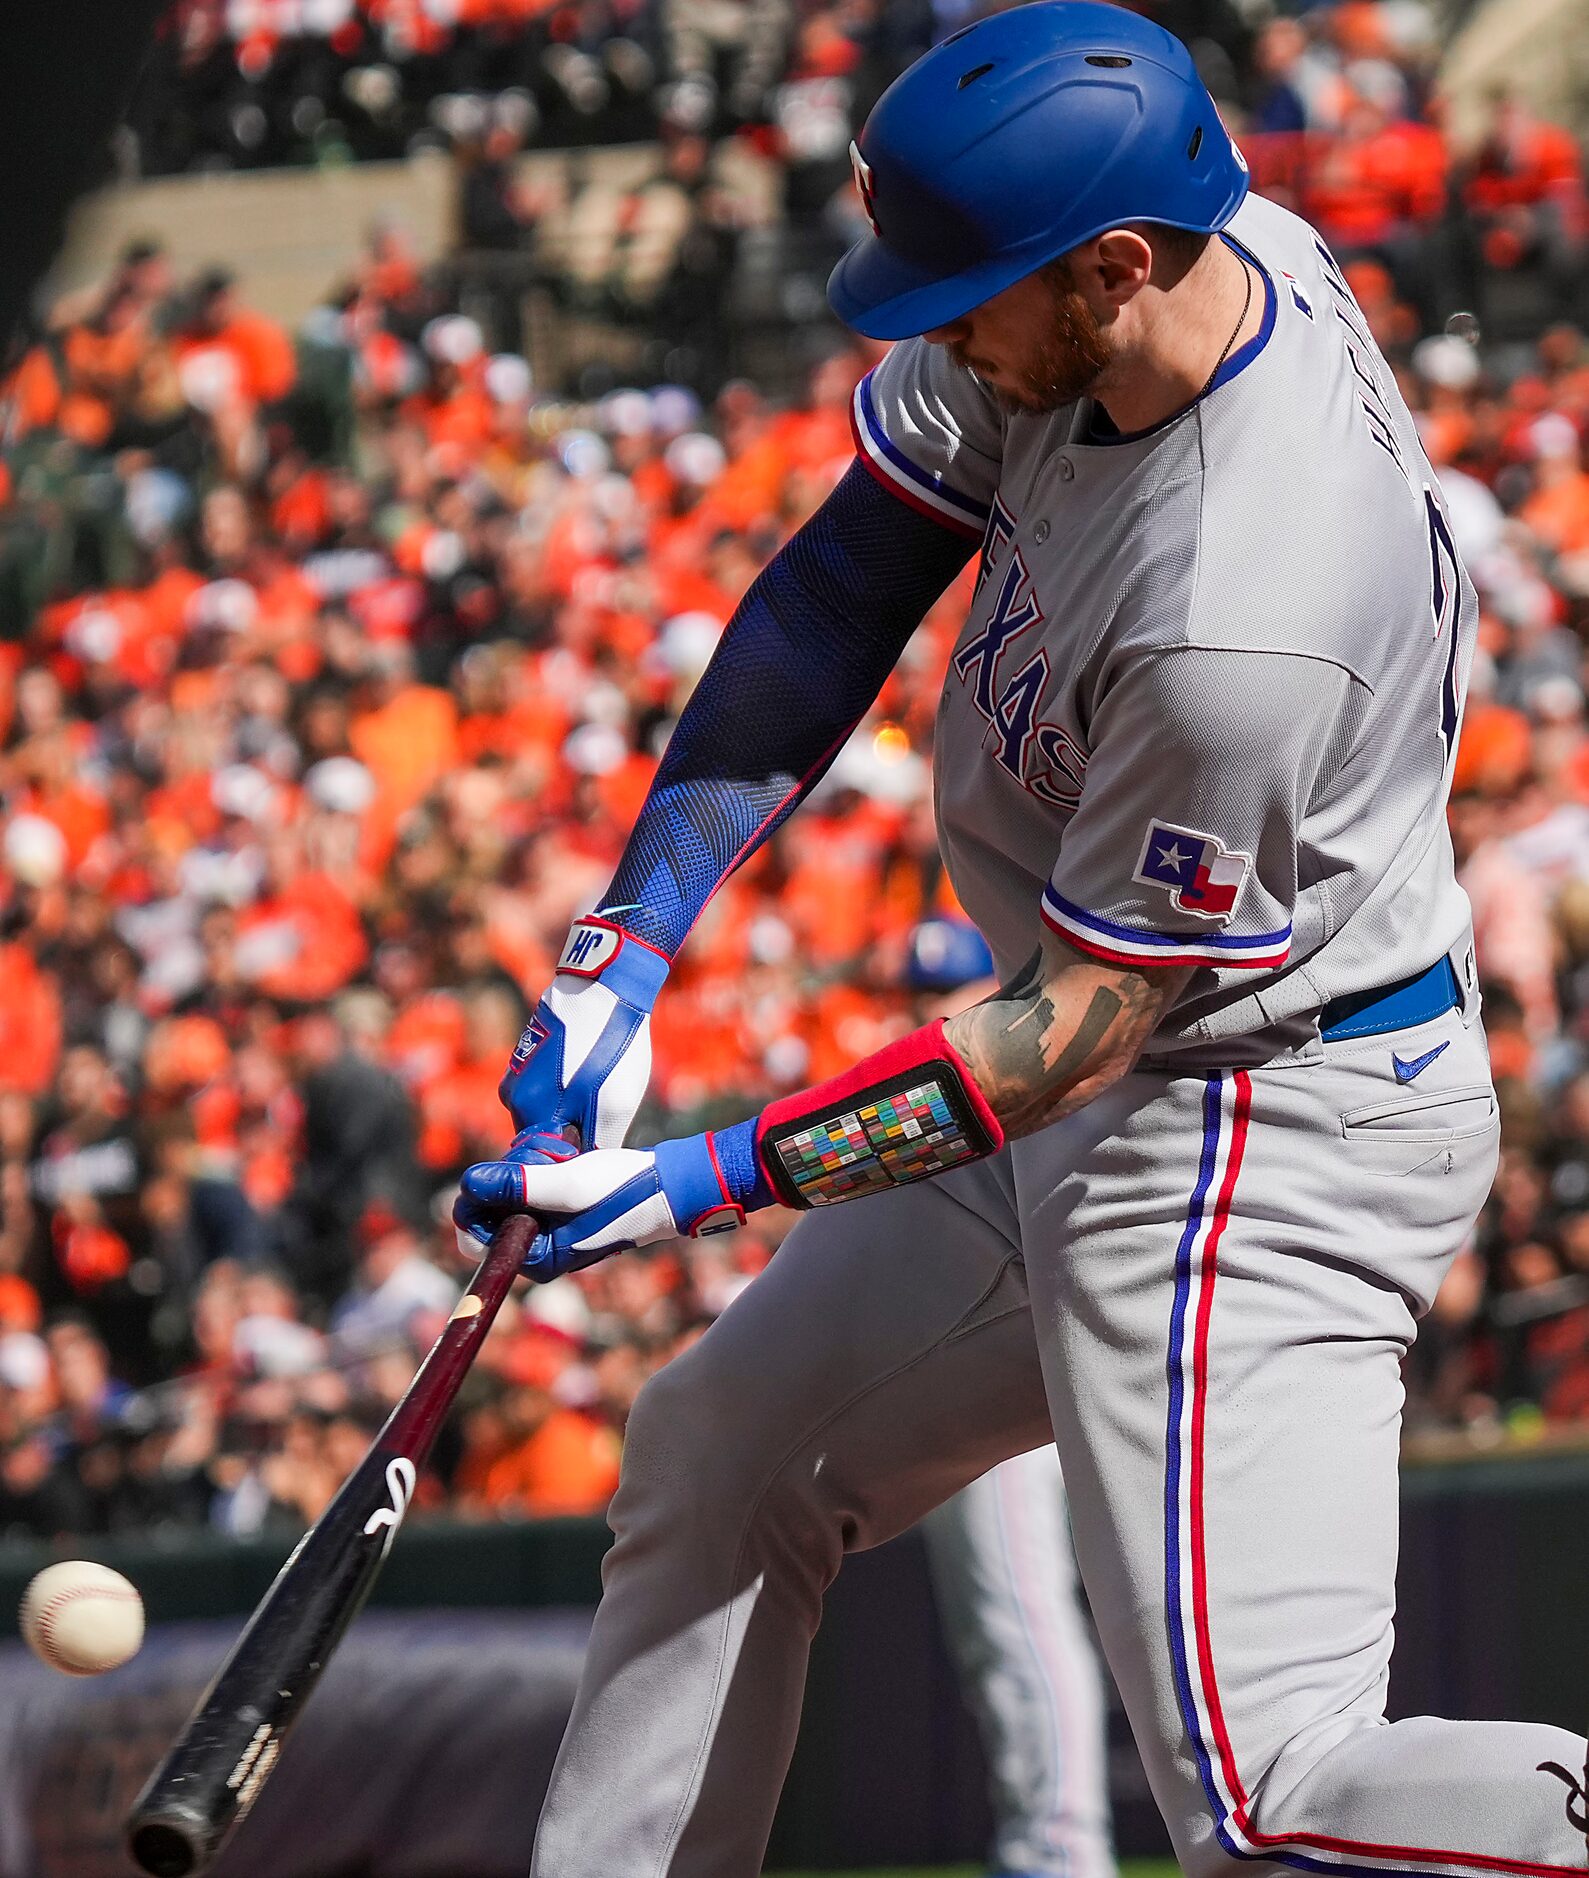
x: 1372, y: 1157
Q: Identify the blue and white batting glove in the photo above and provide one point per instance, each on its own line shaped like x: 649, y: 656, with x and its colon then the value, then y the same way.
x: 610, y: 1200
x: 476, y: 1214
x: 585, y: 1055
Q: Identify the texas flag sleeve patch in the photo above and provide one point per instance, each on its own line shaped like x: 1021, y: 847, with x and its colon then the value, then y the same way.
x: 1199, y: 874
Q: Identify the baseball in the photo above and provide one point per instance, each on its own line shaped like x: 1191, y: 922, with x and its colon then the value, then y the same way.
x: 81, y: 1618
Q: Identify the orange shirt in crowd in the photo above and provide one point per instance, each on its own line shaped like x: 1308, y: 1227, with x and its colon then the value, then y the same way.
x: 33, y: 393
x: 80, y: 813
x: 251, y: 358
x: 71, y: 383
x: 1360, y: 192
x: 408, y: 743
x: 834, y: 879
x: 181, y: 812
x: 569, y: 1465
x: 30, y: 1023
x: 427, y: 1038
x: 20, y: 1307
x: 137, y: 632
x: 303, y: 943
x: 460, y: 1115
x: 465, y: 418
x: 1494, y: 751
x: 302, y: 512
x: 1558, y: 512
x: 1534, y: 163
x: 752, y: 487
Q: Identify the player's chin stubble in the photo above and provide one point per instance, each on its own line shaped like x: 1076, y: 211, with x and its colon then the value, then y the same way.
x: 1066, y: 359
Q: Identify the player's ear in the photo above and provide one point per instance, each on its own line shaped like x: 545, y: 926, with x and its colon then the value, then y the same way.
x: 1121, y: 262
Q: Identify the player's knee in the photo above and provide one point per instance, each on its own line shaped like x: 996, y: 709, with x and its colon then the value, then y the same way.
x: 1283, y: 1785
x: 699, y: 1456
x: 1201, y: 1848
x: 669, y: 1424
x: 685, y: 1443
x: 1200, y: 1856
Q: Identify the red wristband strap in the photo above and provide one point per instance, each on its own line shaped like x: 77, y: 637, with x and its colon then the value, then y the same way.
x: 907, y: 1112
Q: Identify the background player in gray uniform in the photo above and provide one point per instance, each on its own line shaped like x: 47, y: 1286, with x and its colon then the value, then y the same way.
x: 1004, y: 1578
x: 1180, y: 1190
x: 1002, y: 1572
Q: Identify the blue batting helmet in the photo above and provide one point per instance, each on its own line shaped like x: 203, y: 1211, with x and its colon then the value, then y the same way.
x: 945, y: 953
x: 1016, y: 140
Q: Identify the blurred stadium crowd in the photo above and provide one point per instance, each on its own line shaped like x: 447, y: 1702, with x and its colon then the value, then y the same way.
x: 1335, y: 102
x: 333, y: 667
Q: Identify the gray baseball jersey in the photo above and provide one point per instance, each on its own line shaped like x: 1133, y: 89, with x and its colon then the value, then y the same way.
x: 1210, y: 685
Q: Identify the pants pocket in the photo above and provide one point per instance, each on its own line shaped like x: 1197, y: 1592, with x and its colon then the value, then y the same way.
x: 1407, y: 1132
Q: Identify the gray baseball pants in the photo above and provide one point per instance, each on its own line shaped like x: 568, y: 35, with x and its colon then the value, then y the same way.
x: 1202, y: 1286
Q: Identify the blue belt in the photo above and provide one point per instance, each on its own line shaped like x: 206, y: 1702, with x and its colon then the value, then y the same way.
x: 1415, y: 1000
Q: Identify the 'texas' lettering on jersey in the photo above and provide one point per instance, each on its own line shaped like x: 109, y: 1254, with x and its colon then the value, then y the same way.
x: 1005, y: 685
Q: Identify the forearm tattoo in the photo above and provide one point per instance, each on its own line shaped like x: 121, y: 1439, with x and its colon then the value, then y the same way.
x: 1058, y: 1033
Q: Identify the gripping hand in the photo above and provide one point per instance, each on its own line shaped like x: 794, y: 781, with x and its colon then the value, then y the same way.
x: 610, y: 1200
x: 585, y: 1056
x: 479, y: 1210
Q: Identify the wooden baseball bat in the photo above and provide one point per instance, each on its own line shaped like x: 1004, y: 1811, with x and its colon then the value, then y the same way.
x: 218, y: 1764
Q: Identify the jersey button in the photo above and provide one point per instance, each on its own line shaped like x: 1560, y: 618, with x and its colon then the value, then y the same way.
x: 1067, y: 469
x: 1040, y: 533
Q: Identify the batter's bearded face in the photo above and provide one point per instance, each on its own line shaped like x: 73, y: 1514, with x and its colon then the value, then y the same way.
x: 1036, y: 346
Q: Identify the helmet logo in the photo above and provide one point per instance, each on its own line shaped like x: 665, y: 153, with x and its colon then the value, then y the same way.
x: 863, y: 185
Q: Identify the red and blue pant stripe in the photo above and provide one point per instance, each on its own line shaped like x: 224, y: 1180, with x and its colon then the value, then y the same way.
x: 1227, y: 1111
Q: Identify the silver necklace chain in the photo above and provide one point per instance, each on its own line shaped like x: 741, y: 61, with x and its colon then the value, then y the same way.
x: 1246, y: 308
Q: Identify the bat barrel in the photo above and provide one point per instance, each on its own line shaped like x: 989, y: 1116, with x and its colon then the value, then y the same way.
x: 215, y: 1770
x: 211, y: 1777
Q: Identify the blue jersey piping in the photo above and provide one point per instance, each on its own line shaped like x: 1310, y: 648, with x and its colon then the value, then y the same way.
x: 1232, y: 367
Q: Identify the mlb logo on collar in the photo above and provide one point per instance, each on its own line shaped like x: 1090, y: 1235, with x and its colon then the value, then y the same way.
x: 1194, y: 869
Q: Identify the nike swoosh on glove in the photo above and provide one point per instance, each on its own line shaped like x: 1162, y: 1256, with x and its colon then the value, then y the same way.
x: 612, y: 1200
x: 585, y: 1055
x: 477, y: 1214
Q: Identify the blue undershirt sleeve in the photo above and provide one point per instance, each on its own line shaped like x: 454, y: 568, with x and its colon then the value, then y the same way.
x: 800, y: 663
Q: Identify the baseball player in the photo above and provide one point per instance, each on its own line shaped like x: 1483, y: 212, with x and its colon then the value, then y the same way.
x: 1178, y: 1192
x: 1004, y: 1578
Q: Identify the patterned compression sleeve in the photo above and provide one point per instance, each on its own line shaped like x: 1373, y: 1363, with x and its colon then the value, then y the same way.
x: 804, y: 656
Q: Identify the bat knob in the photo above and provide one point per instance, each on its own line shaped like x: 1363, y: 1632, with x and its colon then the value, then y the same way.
x: 165, y: 1850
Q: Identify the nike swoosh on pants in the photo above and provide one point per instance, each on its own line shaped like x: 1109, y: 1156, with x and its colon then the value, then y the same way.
x: 1405, y: 1071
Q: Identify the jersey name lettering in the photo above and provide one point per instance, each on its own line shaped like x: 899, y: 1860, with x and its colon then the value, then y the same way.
x: 1363, y: 354
x: 1445, y: 578
x: 1445, y: 567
